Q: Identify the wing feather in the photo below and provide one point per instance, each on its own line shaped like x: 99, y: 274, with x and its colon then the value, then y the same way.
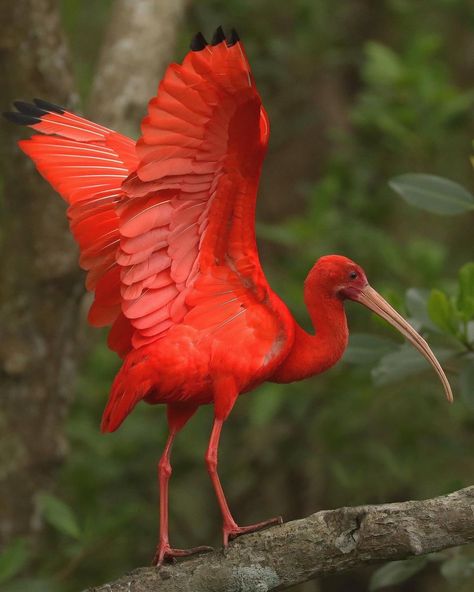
x: 86, y: 164
x: 166, y: 226
x: 200, y: 154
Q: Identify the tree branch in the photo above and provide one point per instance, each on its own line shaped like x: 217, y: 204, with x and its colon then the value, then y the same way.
x: 327, y: 542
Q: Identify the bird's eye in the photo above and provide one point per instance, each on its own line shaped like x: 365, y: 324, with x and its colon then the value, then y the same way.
x: 353, y: 275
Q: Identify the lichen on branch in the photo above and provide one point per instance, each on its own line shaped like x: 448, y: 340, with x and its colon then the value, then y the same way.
x: 324, y: 543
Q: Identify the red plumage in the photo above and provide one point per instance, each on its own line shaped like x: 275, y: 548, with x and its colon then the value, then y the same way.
x: 166, y: 233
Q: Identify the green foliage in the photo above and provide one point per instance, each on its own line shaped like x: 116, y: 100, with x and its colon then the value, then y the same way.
x: 13, y: 559
x: 383, y: 67
x: 455, y: 565
x: 366, y: 348
x: 435, y: 312
x: 451, y: 318
x: 442, y: 312
x: 396, y: 572
x: 458, y: 568
x: 34, y: 584
x: 416, y: 304
x: 404, y: 363
x: 455, y: 315
x: 455, y: 318
x: 466, y: 382
x: 433, y: 194
x: 58, y: 514
x: 465, y: 300
x: 410, y: 97
x: 85, y: 20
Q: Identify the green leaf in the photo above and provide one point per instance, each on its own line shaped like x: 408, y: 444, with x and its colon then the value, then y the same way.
x: 433, y: 194
x: 12, y: 559
x: 58, y: 514
x: 405, y: 362
x: 396, y: 572
x: 367, y: 349
x: 459, y: 567
x: 466, y: 383
x: 465, y: 300
x: 383, y: 66
x: 416, y: 301
x: 443, y: 313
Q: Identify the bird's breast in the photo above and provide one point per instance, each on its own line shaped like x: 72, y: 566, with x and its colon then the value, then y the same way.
x: 186, y: 361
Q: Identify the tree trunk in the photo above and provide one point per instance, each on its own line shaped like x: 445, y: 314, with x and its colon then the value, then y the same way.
x: 39, y: 280
x: 138, y: 46
x: 40, y: 283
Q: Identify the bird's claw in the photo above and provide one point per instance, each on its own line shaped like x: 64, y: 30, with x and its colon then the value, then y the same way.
x: 233, y: 531
x: 166, y: 554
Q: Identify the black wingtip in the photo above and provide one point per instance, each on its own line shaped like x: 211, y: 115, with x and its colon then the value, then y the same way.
x: 198, y: 42
x: 31, y: 113
x: 29, y: 109
x: 233, y: 38
x: 219, y: 36
x: 20, y: 118
x: 47, y: 106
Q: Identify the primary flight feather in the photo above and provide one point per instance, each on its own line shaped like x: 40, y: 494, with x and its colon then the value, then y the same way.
x: 166, y: 232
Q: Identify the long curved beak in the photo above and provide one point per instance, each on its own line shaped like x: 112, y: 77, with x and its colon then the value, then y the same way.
x: 372, y: 299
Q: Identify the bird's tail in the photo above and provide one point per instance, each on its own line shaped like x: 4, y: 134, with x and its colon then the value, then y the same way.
x: 133, y: 382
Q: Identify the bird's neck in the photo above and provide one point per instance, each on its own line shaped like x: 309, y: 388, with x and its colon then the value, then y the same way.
x: 314, y: 353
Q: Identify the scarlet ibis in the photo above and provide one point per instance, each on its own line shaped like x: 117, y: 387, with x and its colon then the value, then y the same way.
x: 165, y: 227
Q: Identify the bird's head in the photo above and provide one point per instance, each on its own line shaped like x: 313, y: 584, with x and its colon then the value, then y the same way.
x: 339, y: 277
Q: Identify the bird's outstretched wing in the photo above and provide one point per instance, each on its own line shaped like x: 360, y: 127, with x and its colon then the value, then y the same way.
x: 86, y: 163
x: 187, y: 249
x: 166, y: 228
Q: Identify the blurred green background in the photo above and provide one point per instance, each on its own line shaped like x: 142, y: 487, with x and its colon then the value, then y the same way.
x: 357, y: 93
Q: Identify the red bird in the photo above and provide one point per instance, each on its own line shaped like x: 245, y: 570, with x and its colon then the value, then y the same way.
x: 166, y: 232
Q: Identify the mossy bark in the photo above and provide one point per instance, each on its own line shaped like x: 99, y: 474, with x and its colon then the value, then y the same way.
x: 40, y: 285
x: 328, y: 542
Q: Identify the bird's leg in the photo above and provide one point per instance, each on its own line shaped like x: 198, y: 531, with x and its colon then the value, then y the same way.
x: 230, y: 528
x: 177, y: 417
x: 164, y: 473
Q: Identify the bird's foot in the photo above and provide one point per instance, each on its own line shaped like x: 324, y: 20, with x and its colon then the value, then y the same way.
x: 166, y: 554
x: 232, y: 531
